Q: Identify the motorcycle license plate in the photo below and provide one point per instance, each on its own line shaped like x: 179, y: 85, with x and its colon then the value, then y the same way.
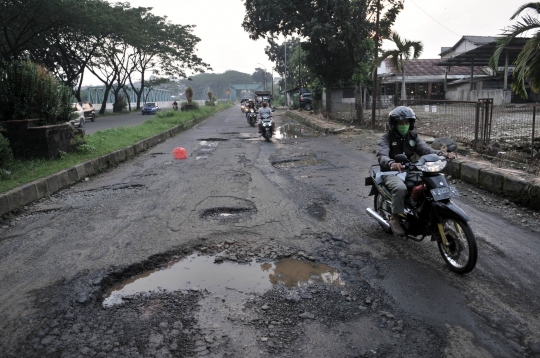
x: 444, y: 193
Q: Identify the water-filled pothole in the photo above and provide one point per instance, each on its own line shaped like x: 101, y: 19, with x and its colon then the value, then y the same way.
x: 293, y: 130
x: 213, y: 139
x: 224, y: 213
x: 202, y: 273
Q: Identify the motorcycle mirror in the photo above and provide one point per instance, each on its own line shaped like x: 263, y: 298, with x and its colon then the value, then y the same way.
x: 401, y: 158
x: 451, y: 148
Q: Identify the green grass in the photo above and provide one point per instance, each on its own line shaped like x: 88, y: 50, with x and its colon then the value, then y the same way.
x: 100, y: 143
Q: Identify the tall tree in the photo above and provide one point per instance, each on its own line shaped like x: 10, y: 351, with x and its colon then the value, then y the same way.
x: 166, y: 49
x: 405, y: 51
x: 276, y: 53
x: 332, y: 32
x: 24, y: 24
x: 68, y: 49
x: 527, y: 64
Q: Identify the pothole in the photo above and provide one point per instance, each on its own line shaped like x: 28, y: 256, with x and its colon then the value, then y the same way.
x: 225, y: 208
x: 287, y: 163
x: 200, y: 273
x: 225, y: 213
x: 317, y: 211
x: 293, y: 130
x: 213, y: 140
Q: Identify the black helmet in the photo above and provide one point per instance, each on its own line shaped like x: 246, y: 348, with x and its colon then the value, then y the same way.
x: 401, y: 113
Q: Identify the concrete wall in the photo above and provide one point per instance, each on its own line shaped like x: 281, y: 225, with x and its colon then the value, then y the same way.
x: 500, y: 97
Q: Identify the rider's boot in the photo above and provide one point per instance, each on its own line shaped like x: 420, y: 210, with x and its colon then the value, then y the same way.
x: 396, y: 226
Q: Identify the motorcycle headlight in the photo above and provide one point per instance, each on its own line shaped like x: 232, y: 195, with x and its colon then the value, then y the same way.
x: 432, y: 167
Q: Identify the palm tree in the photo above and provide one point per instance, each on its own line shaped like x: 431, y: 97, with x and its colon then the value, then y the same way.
x: 527, y: 64
x: 406, y: 50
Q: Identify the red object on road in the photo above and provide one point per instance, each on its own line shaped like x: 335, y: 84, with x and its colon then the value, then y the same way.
x: 179, y: 153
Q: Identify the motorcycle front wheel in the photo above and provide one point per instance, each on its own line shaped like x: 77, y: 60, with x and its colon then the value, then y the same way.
x: 461, y: 252
x: 378, y: 202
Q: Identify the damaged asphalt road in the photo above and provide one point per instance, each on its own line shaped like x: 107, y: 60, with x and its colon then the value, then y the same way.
x: 327, y: 281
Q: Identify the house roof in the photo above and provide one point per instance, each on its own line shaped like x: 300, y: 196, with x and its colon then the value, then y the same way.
x: 480, y: 56
x: 477, y: 40
x: 430, y: 67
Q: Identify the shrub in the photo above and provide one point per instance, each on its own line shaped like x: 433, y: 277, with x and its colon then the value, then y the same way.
x: 195, y: 105
x: 29, y: 91
x: 6, y: 156
x: 189, y: 94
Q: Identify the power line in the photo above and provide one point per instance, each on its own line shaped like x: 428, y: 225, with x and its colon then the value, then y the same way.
x: 434, y: 19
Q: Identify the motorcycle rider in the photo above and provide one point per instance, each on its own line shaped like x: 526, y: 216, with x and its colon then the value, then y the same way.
x: 175, y: 104
x: 400, y: 140
x: 265, y: 110
x: 250, y: 105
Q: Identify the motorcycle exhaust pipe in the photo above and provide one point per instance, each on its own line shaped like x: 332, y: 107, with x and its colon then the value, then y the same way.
x: 377, y: 217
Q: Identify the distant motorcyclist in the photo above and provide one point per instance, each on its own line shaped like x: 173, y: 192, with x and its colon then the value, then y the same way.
x: 262, y: 111
x: 400, y: 140
x: 175, y: 105
x: 250, y: 105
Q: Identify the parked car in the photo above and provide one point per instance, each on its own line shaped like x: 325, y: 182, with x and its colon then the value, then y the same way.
x: 89, y: 112
x: 150, y: 108
x: 79, y: 120
x: 305, y: 101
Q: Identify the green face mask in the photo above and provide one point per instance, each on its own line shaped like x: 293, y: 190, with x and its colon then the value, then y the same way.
x: 403, y: 129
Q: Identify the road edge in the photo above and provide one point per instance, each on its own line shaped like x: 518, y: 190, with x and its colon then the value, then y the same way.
x: 18, y: 197
x: 519, y: 187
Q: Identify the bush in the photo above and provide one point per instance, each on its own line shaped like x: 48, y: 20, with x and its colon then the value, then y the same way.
x: 195, y: 105
x: 6, y: 156
x: 189, y: 94
x: 29, y: 91
x: 211, y: 99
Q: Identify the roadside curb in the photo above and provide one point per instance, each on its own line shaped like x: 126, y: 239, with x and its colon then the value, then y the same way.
x: 318, y: 125
x: 519, y: 187
x: 516, y: 186
x: 16, y: 198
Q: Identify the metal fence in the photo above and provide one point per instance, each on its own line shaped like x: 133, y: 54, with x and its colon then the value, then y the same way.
x: 508, y: 132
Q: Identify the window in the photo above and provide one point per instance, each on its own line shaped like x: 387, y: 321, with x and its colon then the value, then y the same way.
x: 387, y: 90
x: 348, y: 93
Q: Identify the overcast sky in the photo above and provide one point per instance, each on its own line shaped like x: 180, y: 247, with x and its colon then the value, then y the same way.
x: 225, y: 45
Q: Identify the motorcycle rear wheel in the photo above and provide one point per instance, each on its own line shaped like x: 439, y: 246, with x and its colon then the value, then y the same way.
x: 308, y: 107
x: 378, y: 201
x: 461, y: 253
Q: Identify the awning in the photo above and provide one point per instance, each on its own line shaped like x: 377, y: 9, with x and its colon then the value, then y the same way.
x: 480, y: 56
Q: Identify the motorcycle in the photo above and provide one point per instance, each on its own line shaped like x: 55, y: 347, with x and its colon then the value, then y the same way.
x: 175, y: 107
x: 267, y: 126
x: 429, y: 210
x: 252, y: 117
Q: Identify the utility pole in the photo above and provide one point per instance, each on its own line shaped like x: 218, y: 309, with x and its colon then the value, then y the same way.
x: 286, y: 102
x: 374, y: 92
x: 272, y: 95
x: 299, y: 78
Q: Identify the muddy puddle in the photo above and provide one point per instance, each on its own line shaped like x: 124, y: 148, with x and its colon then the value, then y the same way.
x: 203, y: 273
x: 293, y: 130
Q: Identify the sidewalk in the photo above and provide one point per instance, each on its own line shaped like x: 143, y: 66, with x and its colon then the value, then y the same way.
x: 517, y: 186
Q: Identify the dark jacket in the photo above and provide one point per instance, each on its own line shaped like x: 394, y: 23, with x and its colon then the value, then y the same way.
x: 393, y: 143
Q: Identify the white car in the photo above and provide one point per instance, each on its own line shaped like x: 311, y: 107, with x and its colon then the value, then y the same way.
x: 78, y: 121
